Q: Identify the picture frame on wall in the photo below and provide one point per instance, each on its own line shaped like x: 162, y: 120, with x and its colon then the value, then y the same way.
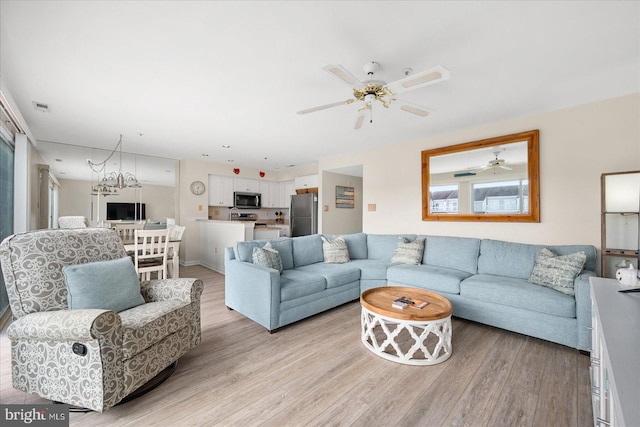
x: 345, y: 197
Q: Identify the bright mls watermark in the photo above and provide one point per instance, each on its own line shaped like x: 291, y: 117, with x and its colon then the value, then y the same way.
x: 35, y: 415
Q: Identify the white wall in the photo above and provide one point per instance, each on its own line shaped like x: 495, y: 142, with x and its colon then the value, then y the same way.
x: 577, y: 145
x: 340, y: 220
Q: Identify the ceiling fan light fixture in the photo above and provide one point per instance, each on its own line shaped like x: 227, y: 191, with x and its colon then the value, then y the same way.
x: 414, y: 110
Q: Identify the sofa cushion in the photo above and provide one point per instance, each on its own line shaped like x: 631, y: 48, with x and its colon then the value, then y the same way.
x: 557, y: 271
x: 407, y: 252
x: 335, y: 250
x: 244, y: 250
x: 371, y: 269
x: 460, y: 253
x: 307, y: 250
x: 433, y: 278
x: 589, y: 250
x: 267, y: 257
x: 335, y: 274
x: 382, y: 246
x: 147, y: 324
x: 507, y: 259
x: 109, y: 285
x: 296, y: 283
x: 518, y: 293
x: 356, y: 244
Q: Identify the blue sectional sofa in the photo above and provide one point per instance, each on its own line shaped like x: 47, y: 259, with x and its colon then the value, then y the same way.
x: 485, y: 280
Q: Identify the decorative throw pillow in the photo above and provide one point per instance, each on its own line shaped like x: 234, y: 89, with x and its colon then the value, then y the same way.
x: 335, y: 250
x: 109, y: 285
x: 407, y: 252
x: 267, y: 256
x: 557, y: 271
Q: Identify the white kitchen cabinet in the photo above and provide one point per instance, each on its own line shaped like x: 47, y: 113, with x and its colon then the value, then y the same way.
x: 265, y: 190
x: 246, y: 185
x: 270, y: 191
x: 287, y: 189
x: 265, y: 233
x: 220, y: 191
x: 307, y: 181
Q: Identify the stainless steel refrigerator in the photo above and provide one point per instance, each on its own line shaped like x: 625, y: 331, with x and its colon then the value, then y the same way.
x: 304, y: 214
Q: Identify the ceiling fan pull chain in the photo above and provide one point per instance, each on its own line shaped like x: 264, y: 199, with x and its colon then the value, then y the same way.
x: 371, y: 114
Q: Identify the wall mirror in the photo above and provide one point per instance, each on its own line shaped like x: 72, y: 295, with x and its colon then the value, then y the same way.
x: 495, y: 179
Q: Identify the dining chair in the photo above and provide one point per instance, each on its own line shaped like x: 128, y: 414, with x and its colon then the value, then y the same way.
x: 150, y: 253
x: 73, y: 222
x: 175, y: 234
x: 126, y: 229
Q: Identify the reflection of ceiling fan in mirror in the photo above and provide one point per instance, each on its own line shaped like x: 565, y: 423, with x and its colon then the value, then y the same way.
x: 372, y: 90
x: 494, y: 164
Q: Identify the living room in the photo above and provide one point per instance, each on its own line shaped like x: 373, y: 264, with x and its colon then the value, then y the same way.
x: 578, y: 85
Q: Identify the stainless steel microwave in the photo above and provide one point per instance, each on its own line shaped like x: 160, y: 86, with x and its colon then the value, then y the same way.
x: 247, y: 200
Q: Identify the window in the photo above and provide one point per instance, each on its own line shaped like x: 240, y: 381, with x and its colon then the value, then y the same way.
x: 6, y: 205
x: 501, y: 197
x: 444, y: 198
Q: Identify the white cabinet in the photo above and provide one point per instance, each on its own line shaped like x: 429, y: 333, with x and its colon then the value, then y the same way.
x: 265, y: 233
x: 270, y: 191
x: 287, y: 189
x: 246, y: 185
x: 220, y: 191
x: 615, y: 372
x: 308, y: 181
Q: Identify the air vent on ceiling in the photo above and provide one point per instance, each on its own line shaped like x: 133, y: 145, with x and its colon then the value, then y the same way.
x: 41, y: 106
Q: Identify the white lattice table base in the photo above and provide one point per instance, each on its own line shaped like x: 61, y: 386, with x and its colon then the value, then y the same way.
x: 408, y: 342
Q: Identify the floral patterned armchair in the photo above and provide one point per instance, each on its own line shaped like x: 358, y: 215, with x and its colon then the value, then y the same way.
x: 122, y: 351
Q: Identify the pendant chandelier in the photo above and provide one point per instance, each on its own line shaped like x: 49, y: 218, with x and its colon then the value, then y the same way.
x: 113, y: 179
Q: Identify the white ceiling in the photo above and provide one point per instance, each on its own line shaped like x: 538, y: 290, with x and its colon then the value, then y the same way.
x: 192, y: 76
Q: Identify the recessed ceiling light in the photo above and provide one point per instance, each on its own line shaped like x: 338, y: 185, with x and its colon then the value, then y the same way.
x: 226, y: 146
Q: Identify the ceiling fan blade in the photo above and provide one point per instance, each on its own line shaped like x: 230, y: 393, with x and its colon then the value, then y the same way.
x: 505, y: 167
x: 360, y: 117
x: 410, y: 107
x: 417, y: 80
x: 340, y: 72
x: 324, y: 107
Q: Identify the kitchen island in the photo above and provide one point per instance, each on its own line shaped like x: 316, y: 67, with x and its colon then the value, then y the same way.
x: 215, y: 235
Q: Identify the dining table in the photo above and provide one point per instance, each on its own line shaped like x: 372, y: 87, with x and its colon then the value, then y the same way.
x: 173, y: 246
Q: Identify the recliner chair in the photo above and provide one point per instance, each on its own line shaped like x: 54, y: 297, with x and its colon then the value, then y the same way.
x: 91, y: 358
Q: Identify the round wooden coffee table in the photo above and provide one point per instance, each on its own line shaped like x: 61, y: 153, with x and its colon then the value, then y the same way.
x: 410, y: 336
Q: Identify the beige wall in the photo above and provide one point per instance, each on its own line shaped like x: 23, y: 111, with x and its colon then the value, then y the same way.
x: 577, y: 145
x: 340, y: 220
x: 75, y: 199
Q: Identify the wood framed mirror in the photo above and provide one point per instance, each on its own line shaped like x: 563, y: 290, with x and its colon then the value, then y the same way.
x: 495, y: 179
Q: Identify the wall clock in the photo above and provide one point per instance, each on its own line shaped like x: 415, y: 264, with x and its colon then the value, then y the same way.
x: 197, y: 188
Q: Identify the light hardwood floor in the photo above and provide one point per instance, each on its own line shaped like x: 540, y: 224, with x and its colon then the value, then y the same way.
x: 317, y: 372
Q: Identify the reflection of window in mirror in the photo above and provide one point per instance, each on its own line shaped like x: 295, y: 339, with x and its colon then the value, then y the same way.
x: 444, y: 198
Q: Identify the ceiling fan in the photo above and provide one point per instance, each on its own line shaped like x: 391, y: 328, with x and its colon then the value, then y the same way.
x: 372, y: 90
x: 495, y: 163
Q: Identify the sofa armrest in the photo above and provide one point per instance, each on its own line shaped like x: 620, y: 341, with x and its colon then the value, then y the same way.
x: 583, y: 308
x: 253, y: 291
x: 66, y: 325
x: 187, y: 290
